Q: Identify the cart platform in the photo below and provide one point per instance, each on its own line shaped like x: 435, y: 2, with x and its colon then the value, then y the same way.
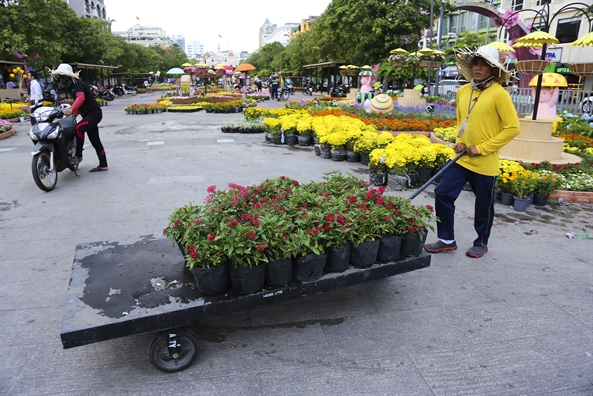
x: 139, y: 284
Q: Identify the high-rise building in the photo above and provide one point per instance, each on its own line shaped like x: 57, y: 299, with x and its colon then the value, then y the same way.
x: 194, y: 49
x: 94, y: 9
x: 265, y: 31
x: 179, y: 39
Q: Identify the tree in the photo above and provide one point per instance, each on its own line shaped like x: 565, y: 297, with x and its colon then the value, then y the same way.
x: 35, y: 30
x: 364, y: 31
x: 265, y: 57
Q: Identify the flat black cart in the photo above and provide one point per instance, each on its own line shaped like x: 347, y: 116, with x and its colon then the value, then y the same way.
x: 139, y: 285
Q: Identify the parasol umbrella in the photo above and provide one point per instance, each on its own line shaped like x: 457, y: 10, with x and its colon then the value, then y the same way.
x: 201, y: 65
x: 186, y: 64
x: 398, y: 51
x: 175, y: 70
x: 585, y: 41
x: 533, y: 40
x: 426, y: 51
x: 501, y: 46
x: 245, y: 67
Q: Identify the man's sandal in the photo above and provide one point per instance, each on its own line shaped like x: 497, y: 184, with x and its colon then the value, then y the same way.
x: 75, y: 161
x: 98, y: 169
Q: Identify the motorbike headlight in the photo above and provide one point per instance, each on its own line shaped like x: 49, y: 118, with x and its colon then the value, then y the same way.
x: 54, y: 133
x: 33, y: 136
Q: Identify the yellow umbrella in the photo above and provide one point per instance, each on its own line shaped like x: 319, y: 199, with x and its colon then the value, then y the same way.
x: 535, y: 38
x: 366, y: 67
x: 426, y: 51
x: 501, y: 46
x: 585, y: 41
x: 352, y: 67
x: 530, y: 44
x: 398, y: 51
x: 201, y: 65
x: 186, y: 64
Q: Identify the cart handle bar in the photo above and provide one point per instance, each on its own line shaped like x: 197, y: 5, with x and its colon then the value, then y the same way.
x: 454, y: 160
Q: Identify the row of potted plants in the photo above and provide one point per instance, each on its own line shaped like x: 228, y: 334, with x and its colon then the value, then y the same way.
x: 146, y: 108
x: 256, y: 126
x: 243, y: 228
x: 234, y: 106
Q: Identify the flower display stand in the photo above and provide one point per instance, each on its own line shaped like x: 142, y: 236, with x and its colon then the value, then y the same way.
x: 411, y: 98
x: 535, y: 144
x: 532, y: 66
x: 581, y: 69
x: 137, y: 285
x: 7, y: 134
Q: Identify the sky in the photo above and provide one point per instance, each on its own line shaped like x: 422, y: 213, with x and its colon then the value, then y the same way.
x: 237, y: 21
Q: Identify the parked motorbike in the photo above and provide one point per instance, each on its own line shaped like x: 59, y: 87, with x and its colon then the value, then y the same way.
x: 102, y: 94
x: 121, y: 90
x: 308, y: 88
x: 54, y: 137
x: 284, y: 93
x: 290, y: 87
x: 338, y: 92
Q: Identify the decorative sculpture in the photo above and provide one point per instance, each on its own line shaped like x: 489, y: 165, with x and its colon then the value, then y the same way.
x: 548, y: 97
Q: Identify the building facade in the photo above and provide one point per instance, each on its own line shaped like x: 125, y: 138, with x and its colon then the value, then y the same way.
x: 265, y: 31
x: 94, y: 9
x: 194, y: 49
x: 146, y: 36
x: 303, y: 27
x: 281, y: 34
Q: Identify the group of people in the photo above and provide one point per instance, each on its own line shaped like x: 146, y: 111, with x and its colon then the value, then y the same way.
x: 275, y: 82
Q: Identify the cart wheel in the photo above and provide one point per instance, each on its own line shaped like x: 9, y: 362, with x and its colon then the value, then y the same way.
x: 173, y: 350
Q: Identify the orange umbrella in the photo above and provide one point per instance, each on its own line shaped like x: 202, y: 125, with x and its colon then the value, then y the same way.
x: 245, y: 67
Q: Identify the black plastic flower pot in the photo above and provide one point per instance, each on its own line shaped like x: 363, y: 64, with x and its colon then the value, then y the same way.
x: 310, y: 267
x: 246, y: 280
x: 338, y: 259
x: 365, y: 254
x: 389, y: 248
x: 279, y: 272
x: 212, y: 281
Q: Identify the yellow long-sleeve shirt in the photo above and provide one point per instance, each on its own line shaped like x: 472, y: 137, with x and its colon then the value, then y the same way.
x: 492, y: 123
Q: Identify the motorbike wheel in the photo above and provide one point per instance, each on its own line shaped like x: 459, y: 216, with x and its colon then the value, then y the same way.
x: 109, y: 97
x: 134, y: 93
x: 285, y: 95
x: 45, y: 179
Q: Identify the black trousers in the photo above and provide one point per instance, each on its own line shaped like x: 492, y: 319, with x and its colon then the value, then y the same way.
x: 90, y: 125
x: 447, y: 192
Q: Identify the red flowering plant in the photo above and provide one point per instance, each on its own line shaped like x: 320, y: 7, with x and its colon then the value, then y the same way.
x: 281, y: 218
x: 418, y: 219
x: 368, y: 215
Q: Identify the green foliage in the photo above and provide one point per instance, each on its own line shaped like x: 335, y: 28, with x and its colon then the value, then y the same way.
x: 36, y: 28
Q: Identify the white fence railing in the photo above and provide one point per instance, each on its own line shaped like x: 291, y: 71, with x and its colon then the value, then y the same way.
x: 576, y: 102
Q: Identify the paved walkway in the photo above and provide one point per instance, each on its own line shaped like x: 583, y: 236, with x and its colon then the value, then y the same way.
x: 519, y: 321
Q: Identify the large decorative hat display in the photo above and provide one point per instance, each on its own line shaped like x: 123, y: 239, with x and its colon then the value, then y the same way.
x: 582, y: 69
x: 550, y: 80
x: 534, y: 40
x: 382, y: 104
x: 465, y: 58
